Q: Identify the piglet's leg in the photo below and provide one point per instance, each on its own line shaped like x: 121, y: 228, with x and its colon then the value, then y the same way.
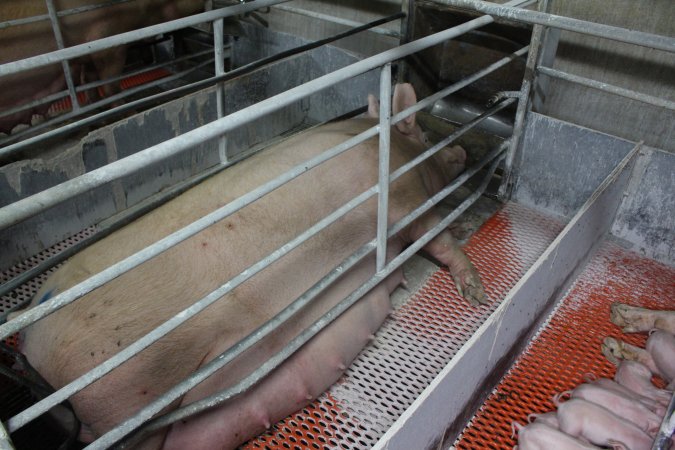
x: 446, y: 250
x: 616, y: 350
x: 633, y: 319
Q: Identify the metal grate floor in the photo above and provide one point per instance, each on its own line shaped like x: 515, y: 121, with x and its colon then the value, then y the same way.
x: 416, y: 342
x: 568, y: 346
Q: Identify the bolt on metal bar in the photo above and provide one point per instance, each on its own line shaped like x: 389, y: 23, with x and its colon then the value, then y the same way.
x: 220, y: 361
x: 337, y: 20
x: 64, y: 64
x: 184, y: 90
x: 606, y: 87
x: 22, y: 209
x: 124, y: 38
x: 62, y: 13
x: 218, y: 41
x: 383, y: 166
x: 566, y: 23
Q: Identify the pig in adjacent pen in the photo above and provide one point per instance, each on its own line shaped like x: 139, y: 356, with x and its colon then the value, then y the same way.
x: 36, y: 38
x: 80, y: 336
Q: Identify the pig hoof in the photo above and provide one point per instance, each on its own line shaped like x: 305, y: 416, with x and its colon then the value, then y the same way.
x: 37, y: 119
x: 611, y: 348
x: 19, y: 128
x: 470, y: 287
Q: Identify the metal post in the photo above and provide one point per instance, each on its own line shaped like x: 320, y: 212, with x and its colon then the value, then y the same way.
x: 64, y: 64
x: 5, y: 441
x: 383, y: 181
x: 524, y: 106
x: 220, y: 89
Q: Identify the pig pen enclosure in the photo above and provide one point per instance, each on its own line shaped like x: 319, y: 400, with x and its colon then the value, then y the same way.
x: 565, y: 205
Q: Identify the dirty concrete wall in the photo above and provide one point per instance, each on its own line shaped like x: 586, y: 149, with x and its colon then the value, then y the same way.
x: 633, y: 67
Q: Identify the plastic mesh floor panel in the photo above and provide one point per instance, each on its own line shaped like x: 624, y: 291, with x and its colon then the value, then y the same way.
x: 26, y: 291
x: 568, y: 346
x: 416, y: 342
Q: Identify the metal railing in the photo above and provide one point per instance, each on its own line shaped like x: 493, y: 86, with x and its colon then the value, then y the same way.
x: 25, y: 208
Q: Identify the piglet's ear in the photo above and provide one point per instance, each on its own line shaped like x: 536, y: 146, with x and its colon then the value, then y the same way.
x: 404, y: 97
x: 373, y: 107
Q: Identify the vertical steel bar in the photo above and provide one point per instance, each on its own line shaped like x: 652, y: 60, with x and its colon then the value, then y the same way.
x: 5, y: 441
x: 524, y: 105
x: 218, y: 42
x: 383, y: 182
x: 64, y: 64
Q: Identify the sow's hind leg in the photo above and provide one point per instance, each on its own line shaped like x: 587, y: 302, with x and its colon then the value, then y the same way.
x: 289, y: 388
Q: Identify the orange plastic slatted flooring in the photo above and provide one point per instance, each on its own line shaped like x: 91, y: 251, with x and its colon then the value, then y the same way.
x: 65, y: 105
x: 569, y: 345
x: 416, y: 342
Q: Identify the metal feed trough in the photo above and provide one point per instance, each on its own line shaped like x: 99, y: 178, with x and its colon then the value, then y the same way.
x: 562, y: 208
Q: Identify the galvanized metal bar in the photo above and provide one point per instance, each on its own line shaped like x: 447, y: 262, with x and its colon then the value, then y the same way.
x: 220, y: 361
x: 524, y: 106
x: 138, y: 258
x: 619, y: 34
x: 218, y: 42
x: 130, y: 36
x: 333, y: 19
x: 65, y: 65
x: 5, y: 440
x: 663, y: 438
x: 65, y: 12
x: 383, y: 166
x: 173, y: 93
x: 22, y: 209
x: 606, y: 87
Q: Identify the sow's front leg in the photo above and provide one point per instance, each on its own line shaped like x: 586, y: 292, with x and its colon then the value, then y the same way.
x: 446, y: 250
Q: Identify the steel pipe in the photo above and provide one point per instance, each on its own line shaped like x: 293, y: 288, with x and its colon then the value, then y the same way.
x: 606, y: 87
x: 65, y: 12
x: 566, y: 23
x: 383, y: 166
x: 184, y: 90
x: 77, y: 51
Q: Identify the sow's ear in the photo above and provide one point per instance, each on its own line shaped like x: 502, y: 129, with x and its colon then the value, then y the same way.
x: 405, y: 97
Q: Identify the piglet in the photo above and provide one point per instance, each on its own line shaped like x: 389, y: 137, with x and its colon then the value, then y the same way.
x: 661, y: 346
x: 581, y: 418
x: 637, y: 377
x: 613, y: 386
x: 548, y: 418
x: 539, y: 436
x: 622, y: 406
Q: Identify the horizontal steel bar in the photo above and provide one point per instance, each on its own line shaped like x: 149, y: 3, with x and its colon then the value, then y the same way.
x: 63, y: 13
x: 22, y: 209
x: 138, y: 258
x: 333, y: 19
x: 606, y: 87
x: 96, y: 105
x: 306, y: 335
x: 184, y: 90
x: 566, y: 23
x: 77, y: 51
x: 220, y: 361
